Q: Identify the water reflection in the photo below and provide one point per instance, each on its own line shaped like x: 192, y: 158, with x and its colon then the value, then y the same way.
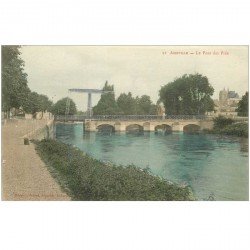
x: 106, y: 145
x: 89, y: 136
x: 244, y: 145
x: 66, y: 131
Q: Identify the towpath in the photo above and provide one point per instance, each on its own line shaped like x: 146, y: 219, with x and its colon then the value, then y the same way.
x: 24, y: 174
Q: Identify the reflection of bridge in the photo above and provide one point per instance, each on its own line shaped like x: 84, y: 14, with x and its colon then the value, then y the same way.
x: 142, y: 122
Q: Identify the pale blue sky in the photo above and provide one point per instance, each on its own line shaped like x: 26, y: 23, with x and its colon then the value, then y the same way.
x: 52, y: 70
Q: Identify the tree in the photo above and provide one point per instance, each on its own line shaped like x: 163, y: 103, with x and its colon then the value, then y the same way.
x: 15, y: 90
x: 36, y: 103
x: 153, y: 109
x: 144, y: 105
x: 127, y: 104
x: 59, y: 108
x: 46, y: 104
x: 107, y: 104
x: 221, y: 122
x: 32, y: 103
x: 135, y: 106
x: 242, y: 108
x: 188, y: 95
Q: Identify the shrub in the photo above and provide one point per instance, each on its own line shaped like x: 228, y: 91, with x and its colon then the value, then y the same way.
x: 86, y: 178
x: 238, y: 129
x: 221, y: 122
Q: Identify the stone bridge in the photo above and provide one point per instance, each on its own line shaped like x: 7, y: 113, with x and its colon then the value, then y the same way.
x: 93, y: 125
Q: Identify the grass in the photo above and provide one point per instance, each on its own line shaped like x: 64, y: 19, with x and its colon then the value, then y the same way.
x: 85, y: 178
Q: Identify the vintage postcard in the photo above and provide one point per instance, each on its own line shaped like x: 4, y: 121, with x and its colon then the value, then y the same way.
x: 125, y: 123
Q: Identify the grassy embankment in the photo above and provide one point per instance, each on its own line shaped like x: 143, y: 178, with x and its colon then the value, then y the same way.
x: 85, y: 178
x: 228, y: 126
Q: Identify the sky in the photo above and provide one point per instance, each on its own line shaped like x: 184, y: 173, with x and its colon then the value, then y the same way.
x: 142, y: 70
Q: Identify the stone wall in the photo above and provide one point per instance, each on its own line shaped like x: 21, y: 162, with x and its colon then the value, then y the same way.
x: 176, y: 125
x: 44, y: 132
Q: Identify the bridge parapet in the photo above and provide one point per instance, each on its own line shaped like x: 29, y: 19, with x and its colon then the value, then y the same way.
x: 129, y: 117
x: 147, y: 125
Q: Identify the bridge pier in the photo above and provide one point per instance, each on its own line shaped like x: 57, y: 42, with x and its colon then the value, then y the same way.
x: 148, y: 127
x: 90, y: 126
x: 120, y: 127
x: 177, y: 127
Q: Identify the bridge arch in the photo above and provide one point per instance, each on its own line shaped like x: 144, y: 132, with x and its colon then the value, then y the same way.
x: 105, y: 128
x: 191, y: 128
x: 134, y: 128
x: 165, y: 128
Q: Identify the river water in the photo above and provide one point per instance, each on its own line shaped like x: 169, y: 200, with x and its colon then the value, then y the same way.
x: 215, y: 167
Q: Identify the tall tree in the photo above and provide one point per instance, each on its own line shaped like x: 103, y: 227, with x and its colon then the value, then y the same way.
x: 189, y: 95
x: 107, y: 104
x: 36, y: 103
x: 14, y: 80
x: 59, y: 108
x: 144, y: 104
x: 32, y: 103
x: 136, y: 106
x: 242, y: 108
x: 45, y: 103
x: 127, y: 104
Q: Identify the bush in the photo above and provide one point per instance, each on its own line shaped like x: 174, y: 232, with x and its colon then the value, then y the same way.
x: 226, y: 126
x: 221, y: 122
x: 86, y: 178
x: 238, y: 129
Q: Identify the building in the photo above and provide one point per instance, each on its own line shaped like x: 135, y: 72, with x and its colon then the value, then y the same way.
x: 233, y: 94
x: 223, y: 96
x: 227, y: 103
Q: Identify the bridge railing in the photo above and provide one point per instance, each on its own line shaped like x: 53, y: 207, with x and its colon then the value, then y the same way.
x: 129, y: 117
x: 240, y: 119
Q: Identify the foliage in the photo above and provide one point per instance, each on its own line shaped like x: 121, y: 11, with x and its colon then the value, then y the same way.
x: 15, y: 91
x: 59, y: 108
x: 14, y: 81
x: 136, y: 106
x: 228, y: 126
x: 85, y: 178
x: 107, y: 104
x: 126, y: 103
x: 237, y: 129
x: 145, y: 106
x: 242, y: 108
x: 36, y: 103
x: 45, y: 103
x: 188, y: 95
x: 221, y: 122
x: 32, y: 104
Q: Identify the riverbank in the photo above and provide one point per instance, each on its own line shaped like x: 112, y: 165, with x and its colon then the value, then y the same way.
x: 24, y: 174
x: 86, y: 178
x: 235, y: 129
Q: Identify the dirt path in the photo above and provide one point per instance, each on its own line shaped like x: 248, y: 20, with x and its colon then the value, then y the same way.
x: 24, y: 175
